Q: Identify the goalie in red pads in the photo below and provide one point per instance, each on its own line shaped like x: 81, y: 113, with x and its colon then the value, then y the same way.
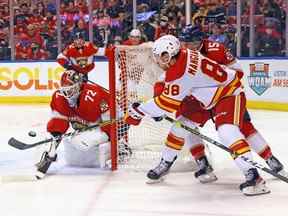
x: 78, y: 104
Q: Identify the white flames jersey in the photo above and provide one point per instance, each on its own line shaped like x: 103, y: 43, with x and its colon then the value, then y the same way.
x: 194, y: 74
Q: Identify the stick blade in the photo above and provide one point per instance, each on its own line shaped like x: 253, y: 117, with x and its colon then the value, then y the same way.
x: 17, y: 144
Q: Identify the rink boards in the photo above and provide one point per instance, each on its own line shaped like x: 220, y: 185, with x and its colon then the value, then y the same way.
x: 265, y: 81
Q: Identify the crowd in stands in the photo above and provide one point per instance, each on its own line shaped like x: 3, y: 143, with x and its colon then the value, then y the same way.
x: 35, y: 26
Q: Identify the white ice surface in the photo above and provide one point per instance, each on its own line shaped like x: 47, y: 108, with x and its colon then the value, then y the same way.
x: 90, y: 192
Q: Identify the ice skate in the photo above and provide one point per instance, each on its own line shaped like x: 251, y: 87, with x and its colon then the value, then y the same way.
x: 254, y: 184
x: 276, y: 166
x: 44, y: 164
x: 156, y: 175
x: 205, y: 173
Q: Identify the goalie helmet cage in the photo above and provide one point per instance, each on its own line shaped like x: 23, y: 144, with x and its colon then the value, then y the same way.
x: 132, y: 74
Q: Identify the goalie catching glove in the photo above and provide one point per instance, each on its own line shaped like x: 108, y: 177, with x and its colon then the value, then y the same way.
x: 134, y: 115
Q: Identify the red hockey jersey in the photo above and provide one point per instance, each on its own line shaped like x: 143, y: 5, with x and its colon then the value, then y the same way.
x: 82, y: 59
x: 92, y: 108
x: 217, y: 52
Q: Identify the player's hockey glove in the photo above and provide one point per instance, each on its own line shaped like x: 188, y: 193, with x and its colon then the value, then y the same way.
x: 158, y: 88
x: 134, y: 115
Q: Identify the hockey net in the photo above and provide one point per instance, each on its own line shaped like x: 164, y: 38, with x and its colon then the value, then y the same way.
x: 134, y: 74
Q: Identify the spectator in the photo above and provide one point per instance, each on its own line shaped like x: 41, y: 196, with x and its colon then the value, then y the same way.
x: 218, y: 35
x: 82, y: 6
x: 216, y: 13
x: 134, y: 38
x: 36, y: 18
x: 38, y: 53
x: 34, y: 36
x: 268, y: 40
x: 199, y: 17
x: 82, y: 28
x: 102, y: 20
x: 23, y: 48
x: 231, y: 35
x: 163, y: 28
x: 148, y: 30
x: 117, y: 40
x: 25, y: 10
x: 40, y: 8
x: 4, y: 46
x: 99, y: 36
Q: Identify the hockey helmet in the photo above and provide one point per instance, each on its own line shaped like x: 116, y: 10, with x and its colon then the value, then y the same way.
x: 70, y: 83
x: 191, y: 34
x: 166, y: 44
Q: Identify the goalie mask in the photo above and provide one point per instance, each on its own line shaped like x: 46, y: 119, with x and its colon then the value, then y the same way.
x: 70, y: 84
x: 165, y: 48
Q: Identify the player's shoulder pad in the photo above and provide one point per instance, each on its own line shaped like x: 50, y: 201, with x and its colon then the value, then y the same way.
x: 178, y: 69
x: 57, y: 95
x: 58, y: 102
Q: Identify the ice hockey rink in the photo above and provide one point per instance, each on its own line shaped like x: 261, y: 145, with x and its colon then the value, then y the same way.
x: 68, y: 191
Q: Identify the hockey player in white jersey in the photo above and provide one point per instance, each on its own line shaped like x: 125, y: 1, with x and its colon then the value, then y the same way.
x: 193, y: 38
x: 218, y: 88
x: 192, y: 110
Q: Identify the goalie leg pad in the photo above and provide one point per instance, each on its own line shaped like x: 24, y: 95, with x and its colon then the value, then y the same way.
x: 88, y: 139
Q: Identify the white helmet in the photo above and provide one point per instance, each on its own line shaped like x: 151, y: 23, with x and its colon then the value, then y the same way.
x: 165, y: 44
x: 70, y: 84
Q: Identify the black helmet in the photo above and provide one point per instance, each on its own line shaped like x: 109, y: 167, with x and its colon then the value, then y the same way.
x: 191, y: 33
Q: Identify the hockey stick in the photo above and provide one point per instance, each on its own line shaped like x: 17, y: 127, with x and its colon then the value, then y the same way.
x: 23, y: 146
x: 218, y: 144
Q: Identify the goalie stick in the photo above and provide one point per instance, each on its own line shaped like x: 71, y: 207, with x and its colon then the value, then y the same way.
x: 218, y: 144
x: 23, y: 146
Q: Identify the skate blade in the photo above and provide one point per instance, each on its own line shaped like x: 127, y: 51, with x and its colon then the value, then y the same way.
x: 207, y: 178
x: 154, y: 181
x: 17, y: 178
x: 256, y: 190
x: 39, y: 175
x: 257, y: 193
x: 283, y: 173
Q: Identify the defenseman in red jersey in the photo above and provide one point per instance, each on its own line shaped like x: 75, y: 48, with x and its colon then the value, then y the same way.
x: 193, y: 38
x: 188, y: 72
x: 78, y: 104
x: 79, y: 56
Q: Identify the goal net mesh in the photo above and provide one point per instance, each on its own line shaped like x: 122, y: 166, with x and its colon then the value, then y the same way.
x: 136, y: 74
